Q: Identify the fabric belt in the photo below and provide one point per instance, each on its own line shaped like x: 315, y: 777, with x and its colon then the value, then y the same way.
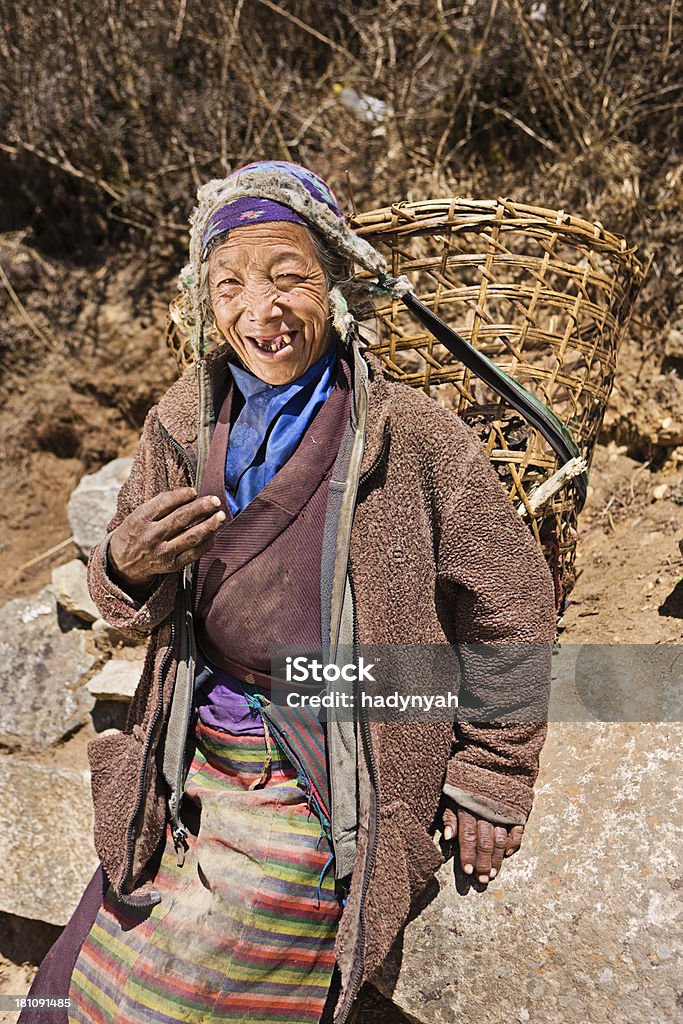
x: 262, y: 680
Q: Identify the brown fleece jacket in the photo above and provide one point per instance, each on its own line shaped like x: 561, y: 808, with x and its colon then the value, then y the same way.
x: 438, y: 554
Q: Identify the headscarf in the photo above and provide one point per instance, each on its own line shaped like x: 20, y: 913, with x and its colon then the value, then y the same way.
x: 302, y: 194
x: 250, y: 209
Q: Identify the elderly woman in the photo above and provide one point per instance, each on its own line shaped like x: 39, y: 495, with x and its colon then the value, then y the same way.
x: 257, y: 864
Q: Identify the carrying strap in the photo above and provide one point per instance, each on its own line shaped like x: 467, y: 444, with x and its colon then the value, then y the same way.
x: 511, y: 391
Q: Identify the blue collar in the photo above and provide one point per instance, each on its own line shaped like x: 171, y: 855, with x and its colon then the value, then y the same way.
x: 271, y: 424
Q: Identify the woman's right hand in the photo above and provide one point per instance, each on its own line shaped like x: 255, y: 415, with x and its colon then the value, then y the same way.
x: 163, y: 535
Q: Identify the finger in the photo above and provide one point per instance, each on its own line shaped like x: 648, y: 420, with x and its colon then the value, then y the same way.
x: 174, y: 550
x: 500, y: 839
x: 161, y: 504
x: 514, y: 840
x: 484, y: 850
x: 450, y: 823
x: 181, y: 519
x: 192, y: 554
x: 467, y: 840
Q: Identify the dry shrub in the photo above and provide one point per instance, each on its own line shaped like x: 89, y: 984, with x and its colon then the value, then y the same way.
x: 112, y: 113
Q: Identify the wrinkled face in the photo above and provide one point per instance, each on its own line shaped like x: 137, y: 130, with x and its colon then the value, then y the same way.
x: 270, y: 299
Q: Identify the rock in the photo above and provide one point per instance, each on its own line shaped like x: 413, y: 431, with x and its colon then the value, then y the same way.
x: 584, y: 922
x: 659, y: 491
x: 46, y: 846
x: 118, y: 680
x: 70, y: 587
x: 673, y: 346
x: 43, y: 660
x: 93, y: 503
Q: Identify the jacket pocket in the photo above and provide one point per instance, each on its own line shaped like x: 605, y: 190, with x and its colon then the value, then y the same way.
x: 423, y: 857
x: 411, y: 849
x: 116, y: 766
x: 406, y: 859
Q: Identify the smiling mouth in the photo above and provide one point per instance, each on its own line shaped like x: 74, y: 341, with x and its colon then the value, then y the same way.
x: 273, y: 344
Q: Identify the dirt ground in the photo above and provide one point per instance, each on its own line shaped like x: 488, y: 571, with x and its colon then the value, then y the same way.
x: 78, y: 398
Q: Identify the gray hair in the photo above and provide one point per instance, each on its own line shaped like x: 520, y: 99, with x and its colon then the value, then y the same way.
x: 336, y: 267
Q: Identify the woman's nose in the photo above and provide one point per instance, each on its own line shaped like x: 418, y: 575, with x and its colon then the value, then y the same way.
x: 262, y: 303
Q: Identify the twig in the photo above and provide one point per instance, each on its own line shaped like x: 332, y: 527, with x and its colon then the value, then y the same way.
x: 669, y: 34
x: 634, y: 476
x: 24, y: 312
x: 65, y: 165
x: 501, y: 112
x: 180, y: 22
x: 311, y: 31
x: 39, y: 558
x: 349, y: 189
x: 545, y: 491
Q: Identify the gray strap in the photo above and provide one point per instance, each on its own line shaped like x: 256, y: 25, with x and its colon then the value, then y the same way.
x: 341, y: 741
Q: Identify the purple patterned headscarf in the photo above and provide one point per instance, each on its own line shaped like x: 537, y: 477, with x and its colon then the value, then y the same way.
x: 250, y: 210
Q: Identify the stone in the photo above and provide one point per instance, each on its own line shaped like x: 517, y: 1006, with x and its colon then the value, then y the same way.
x: 46, y: 845
x: 70, y: 587
x: 673, y: 345
x: 43, y: 661
x: 585, y: 922
x: 118, y: 680
x: 93, y: 503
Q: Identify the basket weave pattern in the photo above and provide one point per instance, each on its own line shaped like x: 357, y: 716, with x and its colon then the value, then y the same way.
x: 546, y: 296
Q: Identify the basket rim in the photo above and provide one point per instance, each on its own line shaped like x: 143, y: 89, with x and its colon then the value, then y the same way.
x: 428, y: 215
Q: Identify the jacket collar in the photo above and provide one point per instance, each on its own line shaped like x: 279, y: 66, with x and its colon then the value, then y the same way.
x: 178, y: 409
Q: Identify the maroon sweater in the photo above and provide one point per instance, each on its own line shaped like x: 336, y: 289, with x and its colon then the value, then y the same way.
x: 272, y: 550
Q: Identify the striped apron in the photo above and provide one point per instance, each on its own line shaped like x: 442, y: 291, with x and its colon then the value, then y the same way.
x: 246, y: 927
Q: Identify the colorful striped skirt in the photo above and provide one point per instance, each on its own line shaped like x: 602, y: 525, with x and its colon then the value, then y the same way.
x: 246, y: 927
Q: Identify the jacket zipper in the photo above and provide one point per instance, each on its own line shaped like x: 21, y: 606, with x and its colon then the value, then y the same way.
x: 143, y: 772
x: 381, y: 456
x: 357, y: 973
x: 178, y: 830
x: 157, y: 711
x: 181, y: 452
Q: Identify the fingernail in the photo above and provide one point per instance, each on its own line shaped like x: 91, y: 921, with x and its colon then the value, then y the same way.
x: 215, y: 500
x: 448, y: 833
x: 220, y: 516
x: 468, y: 869
x: 493, y: 872
x: 483, y: 878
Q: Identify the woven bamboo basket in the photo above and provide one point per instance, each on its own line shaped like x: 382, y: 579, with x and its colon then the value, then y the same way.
x: 545, y: 295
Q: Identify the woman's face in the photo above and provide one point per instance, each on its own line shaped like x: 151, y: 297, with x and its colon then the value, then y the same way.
x: 270, y: 300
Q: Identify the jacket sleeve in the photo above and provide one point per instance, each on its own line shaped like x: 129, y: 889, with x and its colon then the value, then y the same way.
x: 148, y: 477
x: 499, y: 600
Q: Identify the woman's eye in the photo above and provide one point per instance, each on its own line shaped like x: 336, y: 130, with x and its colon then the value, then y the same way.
x: 229, y: 287
x: 284, y: 282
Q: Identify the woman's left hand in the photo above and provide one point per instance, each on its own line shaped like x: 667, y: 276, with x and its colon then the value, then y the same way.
x: 482, y: 844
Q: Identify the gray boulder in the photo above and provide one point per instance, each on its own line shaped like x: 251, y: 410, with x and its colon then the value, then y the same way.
x: 70, y: 587
x: 93, y: 503
x: 43, y: 659
x: 117, y: 680
x: 46, y: 846
x: 585, y: 922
